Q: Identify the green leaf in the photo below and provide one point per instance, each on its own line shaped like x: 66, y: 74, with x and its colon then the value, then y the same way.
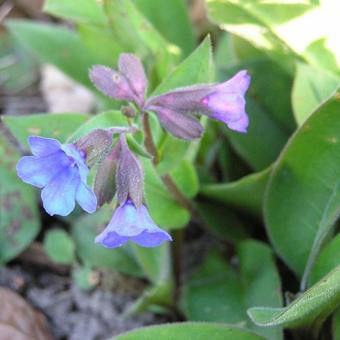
x: 311, y: 88
x: 186, y: 178
x: 162, y: 13
x: 136, y: 34
x: 320, y: 54
x: 245, y: 194
x: 157, y: 298
x: 102, y: 120
x: 55, y: 45
x: 312, y: 306
x: 164, y: 209
x: 84, y: 277
x: 196, y: 68
x: 271, y: 87
x: 102, y: 44
x: 263, y: 131
x: 328, y: 259
x: 274, y: 27
x: 189, y: 330
x: 19, y: 221
x: 302, y: 200
x: 156, y: 264
x: 336, y: 325
x: 59, y: 126
x: 138, y: 149
x: 20, y: 70
x: 59, y: 246
x: 253, y: 22
x: 84, y: 232
x: 80, y: 11
x: 216, y: 292
x: 221, y: 221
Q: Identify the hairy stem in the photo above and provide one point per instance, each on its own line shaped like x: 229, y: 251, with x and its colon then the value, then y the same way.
x: 180, y: 198
x: 148, y: 141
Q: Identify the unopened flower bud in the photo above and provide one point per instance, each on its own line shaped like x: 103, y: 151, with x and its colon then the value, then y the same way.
x: 128, y: 83
x: 128, y: 111
x: 181, y: 125
x: 129, y: 175
x: 95, y: 144
x: 105, y: 181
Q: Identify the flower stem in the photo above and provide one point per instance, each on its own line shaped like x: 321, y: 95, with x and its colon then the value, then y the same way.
x: 167, y: 180
x: 179, y: 197
x: 148, y: 141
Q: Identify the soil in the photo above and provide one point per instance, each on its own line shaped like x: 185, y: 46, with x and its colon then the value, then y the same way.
x: 75, y: 314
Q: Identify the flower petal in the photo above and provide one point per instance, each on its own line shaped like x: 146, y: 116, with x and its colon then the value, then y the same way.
x: 131, y: 223
x: 111, y: 239
x: 71, y: 151
x: 226, y: 107
x: 86, y: 198
x: 59, y: 195
x: 42, y: 146
x: 239, y: 83
x: 154, y: 239
x: 40, y: 171
x: 241, y: 125
x: 152, y: 235
x: 125, y: 220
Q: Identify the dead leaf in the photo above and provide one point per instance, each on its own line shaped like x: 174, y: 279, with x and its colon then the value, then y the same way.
x: 19, y: 321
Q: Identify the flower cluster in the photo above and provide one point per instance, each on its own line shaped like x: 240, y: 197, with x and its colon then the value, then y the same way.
x: 62, y: 170
x: 176, y: 109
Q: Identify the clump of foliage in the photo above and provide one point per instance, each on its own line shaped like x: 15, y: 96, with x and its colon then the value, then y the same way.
x: 280, y: 179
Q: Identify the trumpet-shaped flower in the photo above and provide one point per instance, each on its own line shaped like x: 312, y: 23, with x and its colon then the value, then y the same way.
x: 61, y: 172
x: 132, y: 223
x: 224, y: 102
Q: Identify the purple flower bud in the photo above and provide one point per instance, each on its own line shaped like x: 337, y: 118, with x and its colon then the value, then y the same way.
x: 132, y: 223
x: 111, y: 83
x: 129, y: 83
x: 104, y: 184
x: 61, y: 171
x: 224, y: 102
x: 95, y: 144
x: 129, y: 175
x: 131, y: 67
x: 181, y: 125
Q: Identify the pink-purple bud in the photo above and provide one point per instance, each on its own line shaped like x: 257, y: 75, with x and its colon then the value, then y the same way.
x: 111, y: 83
x: 132, y: 68
x: 181, y: 125
x: 95, y: 144
x: 129, y: 83
x: 129, y: 175
x: 105, y: 181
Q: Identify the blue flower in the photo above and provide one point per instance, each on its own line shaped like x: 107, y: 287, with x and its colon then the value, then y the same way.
x: 132, y: 223
x: 61, y: 171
